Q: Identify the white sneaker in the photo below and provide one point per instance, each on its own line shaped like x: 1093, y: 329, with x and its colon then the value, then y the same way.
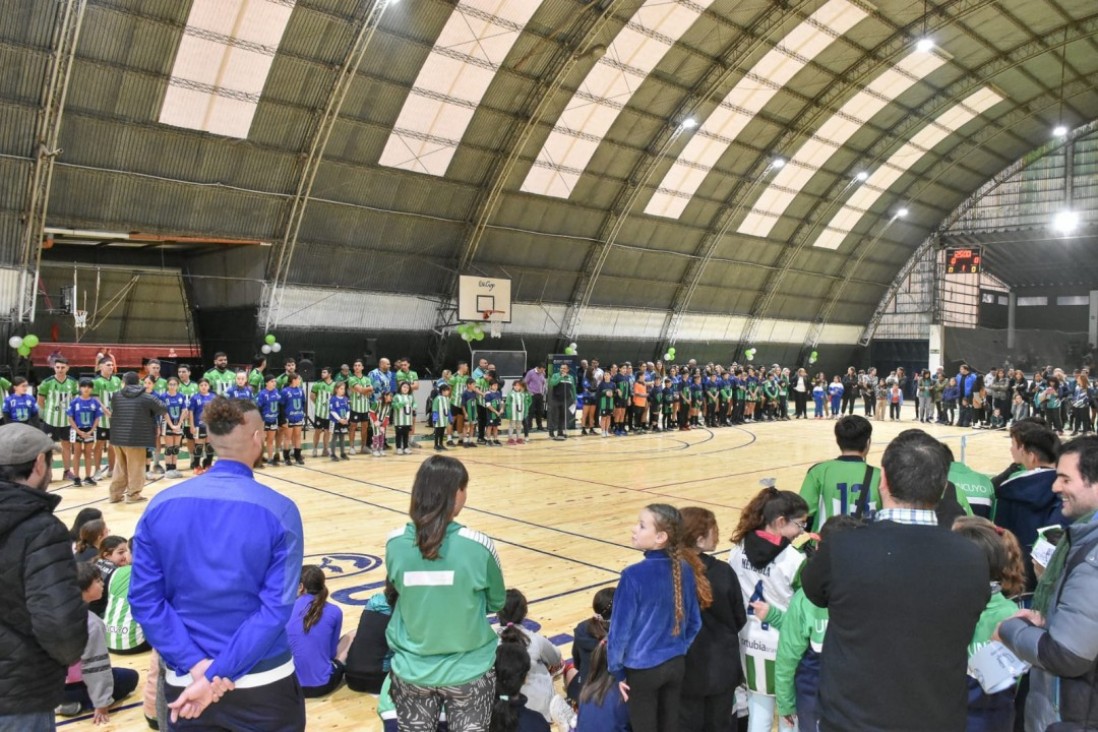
x: 101, y: 473
x: 377, y: 453
x: 314, y: 452
x: 352, y: 451
x: 173, y: 474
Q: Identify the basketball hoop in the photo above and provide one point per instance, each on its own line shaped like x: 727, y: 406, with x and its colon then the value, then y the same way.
x: 80, y: 319
x: 495, y: 322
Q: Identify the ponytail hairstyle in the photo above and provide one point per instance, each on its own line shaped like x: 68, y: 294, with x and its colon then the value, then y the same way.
x: 598, y: 681
x: 85, y: 515
x: 766, y: 508
x: 90, y: 534
x: 1001, y: 547
x: 696, y: 524
x: 514, y: 609
x: 434, y: 496
x: 512, y: 666
x: 312, y: 580
x: 669, y: 520
x: 603, y: 605
x: 109, y: 544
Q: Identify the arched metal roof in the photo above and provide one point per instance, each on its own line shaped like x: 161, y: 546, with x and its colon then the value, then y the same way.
x: 600, y: 153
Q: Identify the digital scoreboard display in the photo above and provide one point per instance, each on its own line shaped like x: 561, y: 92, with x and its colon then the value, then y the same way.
x: 963, y: 260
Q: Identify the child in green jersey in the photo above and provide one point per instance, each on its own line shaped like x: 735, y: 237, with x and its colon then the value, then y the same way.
x: 404, y: 406
x: 993, y: 712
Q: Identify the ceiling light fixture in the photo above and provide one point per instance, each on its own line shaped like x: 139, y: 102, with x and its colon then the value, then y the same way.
x: 1065, y: 222
x: 925, y: 44
x: 1061, y: 130
x: 862, y: 176
x: 777, y: 163
x: 901, y: 213
x: 689, y: 123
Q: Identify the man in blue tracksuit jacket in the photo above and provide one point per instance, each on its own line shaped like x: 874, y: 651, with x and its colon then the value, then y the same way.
x: 966, y: 382
x: 215, y: 576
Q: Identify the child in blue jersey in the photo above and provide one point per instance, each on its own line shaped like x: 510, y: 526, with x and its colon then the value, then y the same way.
x: 493, y: 408
x: 203, y: 452
x: 19, y: 406
x: 269, y: 402
x: 240, y: 388
x: 339, y: 416
x: 651, y: 629
x: 172, y: 426
x: 293, y: 412
x: 601, y: 707
x: 84, y: 414
x: 819, y: 397
x: 314, y: 634
x: 835, y: 392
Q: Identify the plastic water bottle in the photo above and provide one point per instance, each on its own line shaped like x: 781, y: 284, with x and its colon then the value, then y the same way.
x: 757, y: 596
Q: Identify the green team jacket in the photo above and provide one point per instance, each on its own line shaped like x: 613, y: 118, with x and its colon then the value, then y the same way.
x: 976, y: 488
x: 439, y: 632
x: 834, y: 486
x: 804, y: 625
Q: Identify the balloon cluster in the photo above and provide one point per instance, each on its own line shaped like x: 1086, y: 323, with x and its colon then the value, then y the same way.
x: 570, y: 349
x: 471, y: 332
x: 750, y: 353
x: 813, y: 357
x: 270, y: 344
x: 23, y: 345
x: 669, y: 355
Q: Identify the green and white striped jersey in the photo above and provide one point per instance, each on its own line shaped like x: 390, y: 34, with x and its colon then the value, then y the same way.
x: 359, y: 402
x: 321, y: 392
x: 103, y: 390
x: 123, y: 632
x: 56, y: 396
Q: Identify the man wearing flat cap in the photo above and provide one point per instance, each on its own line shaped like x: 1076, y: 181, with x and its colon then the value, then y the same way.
x: 44, y: 621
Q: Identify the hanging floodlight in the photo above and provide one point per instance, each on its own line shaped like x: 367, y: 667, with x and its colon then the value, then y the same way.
x: 1065, y: 222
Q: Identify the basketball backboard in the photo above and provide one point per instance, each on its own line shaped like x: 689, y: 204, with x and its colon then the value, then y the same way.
x: 478, y: 295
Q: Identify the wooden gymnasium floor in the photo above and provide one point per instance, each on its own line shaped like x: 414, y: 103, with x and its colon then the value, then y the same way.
x: 559, y: 513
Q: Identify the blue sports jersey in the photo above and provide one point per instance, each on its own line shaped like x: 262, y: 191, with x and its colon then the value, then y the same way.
x: 175, y: 403
x: 835, y: 389
x: 293, y: 404
x: 492, y: 399
x: 197, y: 404
x: 339, y: 407
x: 20, y: 407
x: 239, y: 392
x: 269, y: 401
x: 84, y: 412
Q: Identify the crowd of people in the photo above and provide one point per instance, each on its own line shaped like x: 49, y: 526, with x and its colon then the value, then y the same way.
x: 864, y: 601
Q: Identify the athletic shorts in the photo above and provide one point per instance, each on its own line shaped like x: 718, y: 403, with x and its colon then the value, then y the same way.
x: 270, y: 427
x: 295, y: 423
x: 606, y: 412
x: 339, y: 429
x: 359, y: 417
x: 58, y: 434
x: 166, y: 431
x: 75, y: 438
x: 281, y: 421
x: 322, y: 423
x: 188, y: 433
x: 201, y: 432
x: 103, y: 434
x: 493, y: 420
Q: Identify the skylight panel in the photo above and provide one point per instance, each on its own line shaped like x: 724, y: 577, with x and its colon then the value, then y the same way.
x: 922, y: 142
x: 608, y: 87
x: 222, y: 64
x: 835, y: 132
x: 470, y: 50
x: 754, y: 91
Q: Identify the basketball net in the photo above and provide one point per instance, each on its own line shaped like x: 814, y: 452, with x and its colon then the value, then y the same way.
x: 495, y: 322
x: 80, y: 319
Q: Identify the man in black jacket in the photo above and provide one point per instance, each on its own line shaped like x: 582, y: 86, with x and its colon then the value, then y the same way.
x: 133, y: 430
x: 43, y: 620
x: 904, y: 596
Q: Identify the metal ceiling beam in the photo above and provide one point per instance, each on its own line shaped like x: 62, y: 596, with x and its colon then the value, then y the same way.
x: 956, y: 215
x: 824, y: 206
x: 66, y: 33
x: 278, y: 267
x: 714, y: 81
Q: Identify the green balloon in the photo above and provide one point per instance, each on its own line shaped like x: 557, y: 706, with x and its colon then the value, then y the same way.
x: 671, y: 350
x: 24, y: 350
x: 30, y: 341
x: 269, y: 339
x: 569, y: 351
x: 479, y: 335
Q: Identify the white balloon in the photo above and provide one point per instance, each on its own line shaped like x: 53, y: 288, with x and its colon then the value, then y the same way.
x: 572, y: 344
x: 15, y: 341
x: 667, y: 357
x: 265, y: 348
x: 276, y: 347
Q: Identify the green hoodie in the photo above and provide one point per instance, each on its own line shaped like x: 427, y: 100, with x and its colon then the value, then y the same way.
x: 804, y: 625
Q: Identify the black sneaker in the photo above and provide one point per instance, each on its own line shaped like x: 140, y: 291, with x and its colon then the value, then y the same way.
x: 76, y: 482
x: 90, y: 481
x: 344, y: 456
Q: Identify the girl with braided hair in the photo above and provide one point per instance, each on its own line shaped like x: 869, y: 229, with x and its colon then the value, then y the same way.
x: 651, y: 629
x: 766, y: 561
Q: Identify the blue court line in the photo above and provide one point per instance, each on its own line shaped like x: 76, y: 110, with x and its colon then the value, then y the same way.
x: 86, y: 717
x: 401, y: 512
x: 477, y: 510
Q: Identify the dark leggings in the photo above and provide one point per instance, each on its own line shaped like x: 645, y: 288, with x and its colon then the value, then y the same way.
x: 402, y: 433
x: 654, y: 696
